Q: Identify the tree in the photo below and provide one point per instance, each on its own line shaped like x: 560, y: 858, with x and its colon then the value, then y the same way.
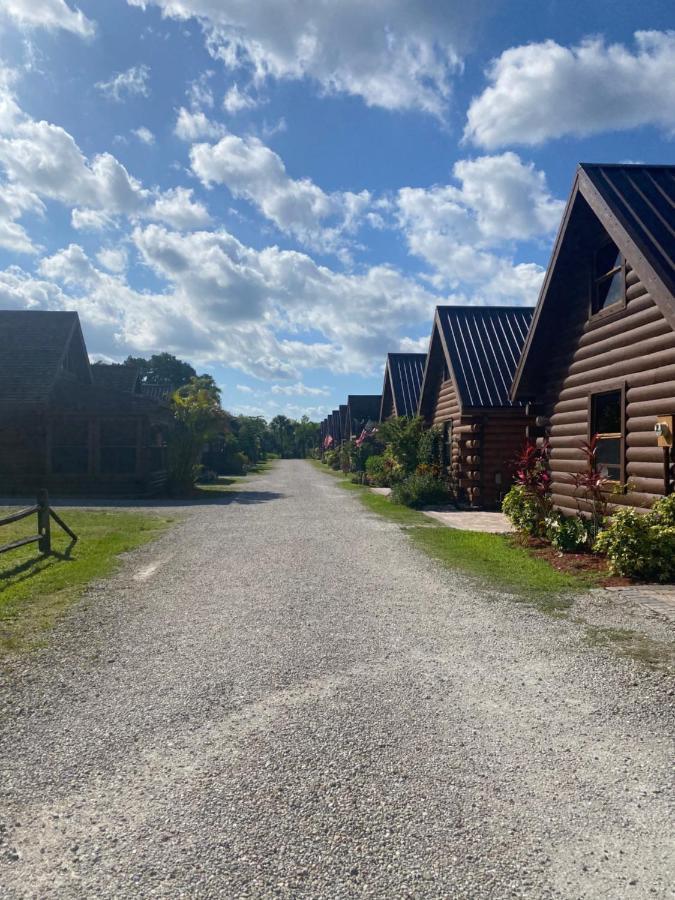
x: 199, y: 418
x: 164, y: 369
x: 251, y: 434
x: 282, y: 430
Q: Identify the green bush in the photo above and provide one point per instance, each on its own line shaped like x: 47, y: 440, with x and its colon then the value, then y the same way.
x: 376, y: 470
x: 420, y: 490
x: 332, y: 459
x: 523, y: 510
x: 641, y: 545
x: 569, y: 534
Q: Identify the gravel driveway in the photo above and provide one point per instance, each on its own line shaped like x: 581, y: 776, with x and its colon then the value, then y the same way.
x: 282, y: 698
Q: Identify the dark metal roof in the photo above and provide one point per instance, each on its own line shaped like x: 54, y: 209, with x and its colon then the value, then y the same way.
x: 344, y: 410
x: 116, y: 377
x: 635, y: 204
x: 643, y: 200
x: 484, y: 344
x: 405, y: 372
x: 34, y: 345
x: 362, y: 408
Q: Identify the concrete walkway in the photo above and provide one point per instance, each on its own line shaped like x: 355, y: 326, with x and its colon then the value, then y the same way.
x: 467, y: 520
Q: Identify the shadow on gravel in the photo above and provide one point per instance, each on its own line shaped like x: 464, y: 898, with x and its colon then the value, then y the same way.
x: 203, y: 498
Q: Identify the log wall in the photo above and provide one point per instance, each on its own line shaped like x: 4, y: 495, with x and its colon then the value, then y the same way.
x: 633, y: 349
x: 484, y: 445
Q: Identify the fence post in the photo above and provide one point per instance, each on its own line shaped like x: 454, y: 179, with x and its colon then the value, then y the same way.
x: 44, y: 528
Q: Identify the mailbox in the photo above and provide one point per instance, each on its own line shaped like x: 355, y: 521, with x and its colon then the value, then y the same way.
x: 664, y: 431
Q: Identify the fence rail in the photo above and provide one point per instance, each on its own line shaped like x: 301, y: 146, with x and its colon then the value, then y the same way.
x: 44, y: 514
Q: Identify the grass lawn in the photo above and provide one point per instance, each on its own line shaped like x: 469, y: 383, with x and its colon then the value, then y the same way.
x: 225, y: 482
x: 490, y: 557
x: 35, y: 590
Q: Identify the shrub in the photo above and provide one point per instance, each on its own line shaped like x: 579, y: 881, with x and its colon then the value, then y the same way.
x: 204, y: 475
x: 524, y: 510
x: 376, y: 470
x: 569, y: 534
x: 332, y: 459
x: 430, y: 448
x: 664, y: 511
x: 401, y: 436
x: 640, y: 545
x: 420, y: 490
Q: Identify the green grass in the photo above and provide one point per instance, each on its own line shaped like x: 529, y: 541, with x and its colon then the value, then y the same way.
x: 494, y: 560
x: 36, y: 590
x: 225, y: 482
x: 491, y: 558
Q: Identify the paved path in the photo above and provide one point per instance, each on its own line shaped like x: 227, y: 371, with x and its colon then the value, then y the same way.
x: 282, y: 698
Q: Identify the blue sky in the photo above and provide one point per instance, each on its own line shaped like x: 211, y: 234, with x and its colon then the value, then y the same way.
x: 281, y: 192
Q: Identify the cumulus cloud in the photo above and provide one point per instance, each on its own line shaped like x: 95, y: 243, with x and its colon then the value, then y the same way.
x: 177, y: 207
x: 50, y: 14
x: 114, y: 259
x: 500, y: 199
x: 393, y: 54
x: 299, y: 390
x: 236, y: 100
x: 15, y: 201
x: 195, y: 125
x: 132, y: 83
x: 299, y: 207
x: 543, y: 91
x: 42, y: 160
x: 144, y: 135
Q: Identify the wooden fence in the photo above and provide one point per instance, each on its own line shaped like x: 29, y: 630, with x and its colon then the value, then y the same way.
x: 44, y: 514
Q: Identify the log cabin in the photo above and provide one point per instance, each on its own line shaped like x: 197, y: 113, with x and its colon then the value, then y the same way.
x: 361, y: 409
x: 343, y: 420
x: 600, y: 355
x: 68, y: 426
x: 473, y: 354
x: 335, y: 428
x: 403, y: 373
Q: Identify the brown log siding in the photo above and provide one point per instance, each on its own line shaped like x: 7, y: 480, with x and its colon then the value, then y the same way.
x: 634, y: 349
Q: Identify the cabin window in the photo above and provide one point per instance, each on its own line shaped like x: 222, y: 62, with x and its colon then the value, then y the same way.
x: 157, y: 449
x: 70, y: 447
x: 607, y: 426
x: 609, y: 278
x: 118, y: 447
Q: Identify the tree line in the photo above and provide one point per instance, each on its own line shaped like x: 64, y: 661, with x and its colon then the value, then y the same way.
x: 207, y: 440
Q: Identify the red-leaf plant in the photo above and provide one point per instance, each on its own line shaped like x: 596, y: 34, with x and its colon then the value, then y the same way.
x: 532, y: 471
x: 593, y: 485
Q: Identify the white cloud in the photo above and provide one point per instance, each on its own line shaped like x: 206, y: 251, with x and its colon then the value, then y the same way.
x: 50, y: 14
x: 196, y: 125
x: 235, y: 100
x: 543, y: 91
x: 115, y: 259
x: 144, y: 135
x: 455, y: 229
x: 299, y: 390
x: 296, y: 206
x: 42, y: 160
x: 245, y: 389
x: 176, y: 207
x: 393, y: 53
x: 132, y: 83
x: 14, y: 202
x: 199, y: 91
x: 90, y: 220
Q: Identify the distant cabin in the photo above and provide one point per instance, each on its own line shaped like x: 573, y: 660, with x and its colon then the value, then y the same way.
x: 362, y: 409
x: 342, y: 410
x: 335, y: 427
x: 70, y: 426
x: 600, y: 356
x: 473, y: 354
x: 403, y: 374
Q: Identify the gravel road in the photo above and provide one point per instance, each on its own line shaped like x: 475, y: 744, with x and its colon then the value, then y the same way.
x: 283, y: 698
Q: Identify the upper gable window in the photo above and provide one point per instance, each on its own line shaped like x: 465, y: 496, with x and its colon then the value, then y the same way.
x: 609, y: 278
